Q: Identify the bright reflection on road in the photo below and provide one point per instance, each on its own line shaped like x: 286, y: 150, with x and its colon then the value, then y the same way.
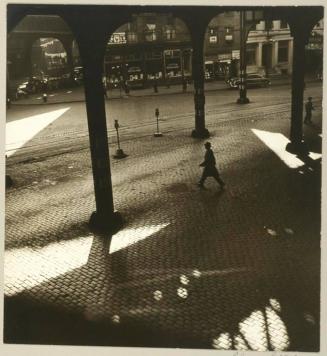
x: 127, y: 237
x: 19, y: 132
x: 28, y: 267
x: 277, y: 143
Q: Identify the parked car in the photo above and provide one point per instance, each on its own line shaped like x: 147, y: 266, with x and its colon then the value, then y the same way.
x: 32, y: 86
x: 253, y: 80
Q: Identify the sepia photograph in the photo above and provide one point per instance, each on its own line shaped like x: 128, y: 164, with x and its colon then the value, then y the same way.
x: 163, y: 176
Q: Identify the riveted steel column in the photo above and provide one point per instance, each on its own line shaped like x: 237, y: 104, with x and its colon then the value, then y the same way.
x: 243, y: 36
x: 200, y: 130
x: 104, y: 218
x: 301, y: 37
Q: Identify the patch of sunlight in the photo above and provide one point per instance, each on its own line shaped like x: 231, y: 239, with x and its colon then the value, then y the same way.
x: 183, y: 279
x: 277, y: 331
x: 263, y: 328
x: 157, y: 295
x: 222, y: 342
x: 275, y: 304
x: 25, y: 268
x: 254, y: 330
x: 314, y: 155
x: 115, y: 319
x: 196, y: 273
x: 19, y: 132
x: 277, y: 143
x: 127, y: 237
x: 239, y: 343
x: 182, y: 292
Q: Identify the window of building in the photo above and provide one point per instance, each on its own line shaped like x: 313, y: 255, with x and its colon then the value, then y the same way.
x: 213, y: 38
x: 131, y: 37
x: 170, y: 33
x: 228, y: 34
x: 282, y: 51
x: 268, y: 25
x: 251, y: 54
x: 150, y: 32
x: 283, y: 24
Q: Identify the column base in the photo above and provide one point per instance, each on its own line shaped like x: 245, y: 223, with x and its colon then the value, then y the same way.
x: 103, y: 223
x: 297, y: 148
x: 120, y: 154
x: 243, y: 101
x: 200, y: 133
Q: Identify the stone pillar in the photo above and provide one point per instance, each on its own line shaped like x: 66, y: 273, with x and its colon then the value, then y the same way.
x: 274, y: 59
x: 200, y: 130
x: 259, y: 55
x: 104, y: 218
x: 301, y: 37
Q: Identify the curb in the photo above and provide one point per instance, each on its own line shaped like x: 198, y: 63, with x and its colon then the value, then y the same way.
x: 142, y: 96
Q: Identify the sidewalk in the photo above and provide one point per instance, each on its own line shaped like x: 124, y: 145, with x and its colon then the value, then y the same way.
x: 234, y: 269
x: 76, y: 94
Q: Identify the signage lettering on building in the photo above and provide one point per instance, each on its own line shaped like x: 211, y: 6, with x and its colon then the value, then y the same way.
x: 118, y: 38
x: 225, y: 56
x: 213, y: 39
x: 236, y: 54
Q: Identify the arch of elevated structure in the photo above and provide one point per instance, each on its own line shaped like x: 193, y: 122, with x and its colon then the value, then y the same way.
x: 92, y: 45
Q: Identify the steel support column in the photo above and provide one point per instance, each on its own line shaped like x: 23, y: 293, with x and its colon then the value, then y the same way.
x: 104, y: 218
x: 200, y: 130
x: 68, y: 46
x: 301, y: 37
x: 243, y: 36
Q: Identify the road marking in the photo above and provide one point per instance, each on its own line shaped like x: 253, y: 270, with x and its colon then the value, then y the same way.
x: 19, y: 132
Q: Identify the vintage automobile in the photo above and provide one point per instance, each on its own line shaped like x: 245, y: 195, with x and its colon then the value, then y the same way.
x: 253, y: 80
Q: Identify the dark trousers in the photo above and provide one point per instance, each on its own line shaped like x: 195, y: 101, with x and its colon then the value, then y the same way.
x: 211, y: 172
x: 308, y: 116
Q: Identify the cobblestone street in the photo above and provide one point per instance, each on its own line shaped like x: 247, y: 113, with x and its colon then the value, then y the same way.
x: 233, y: 269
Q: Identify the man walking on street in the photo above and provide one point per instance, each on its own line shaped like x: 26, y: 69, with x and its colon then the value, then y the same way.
x: 308, y: 111
x: 210, y: 169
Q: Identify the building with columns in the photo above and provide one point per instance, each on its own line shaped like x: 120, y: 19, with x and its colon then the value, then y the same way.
x: 270, y: 48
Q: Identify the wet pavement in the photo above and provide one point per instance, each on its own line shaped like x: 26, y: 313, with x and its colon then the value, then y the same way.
x: 237, y: 269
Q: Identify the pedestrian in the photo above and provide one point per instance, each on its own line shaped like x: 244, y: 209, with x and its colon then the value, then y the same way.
x: 210, y: 169
x: 184, y: 85
x: 308, y: 111
x: 155, y: 85
x: 105, y: 91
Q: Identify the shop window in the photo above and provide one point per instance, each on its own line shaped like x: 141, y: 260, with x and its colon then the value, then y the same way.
x: 282, y: 51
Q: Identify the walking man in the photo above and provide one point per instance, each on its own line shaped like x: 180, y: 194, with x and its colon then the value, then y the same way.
x: 308, y: 111
x: 210, y: 169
